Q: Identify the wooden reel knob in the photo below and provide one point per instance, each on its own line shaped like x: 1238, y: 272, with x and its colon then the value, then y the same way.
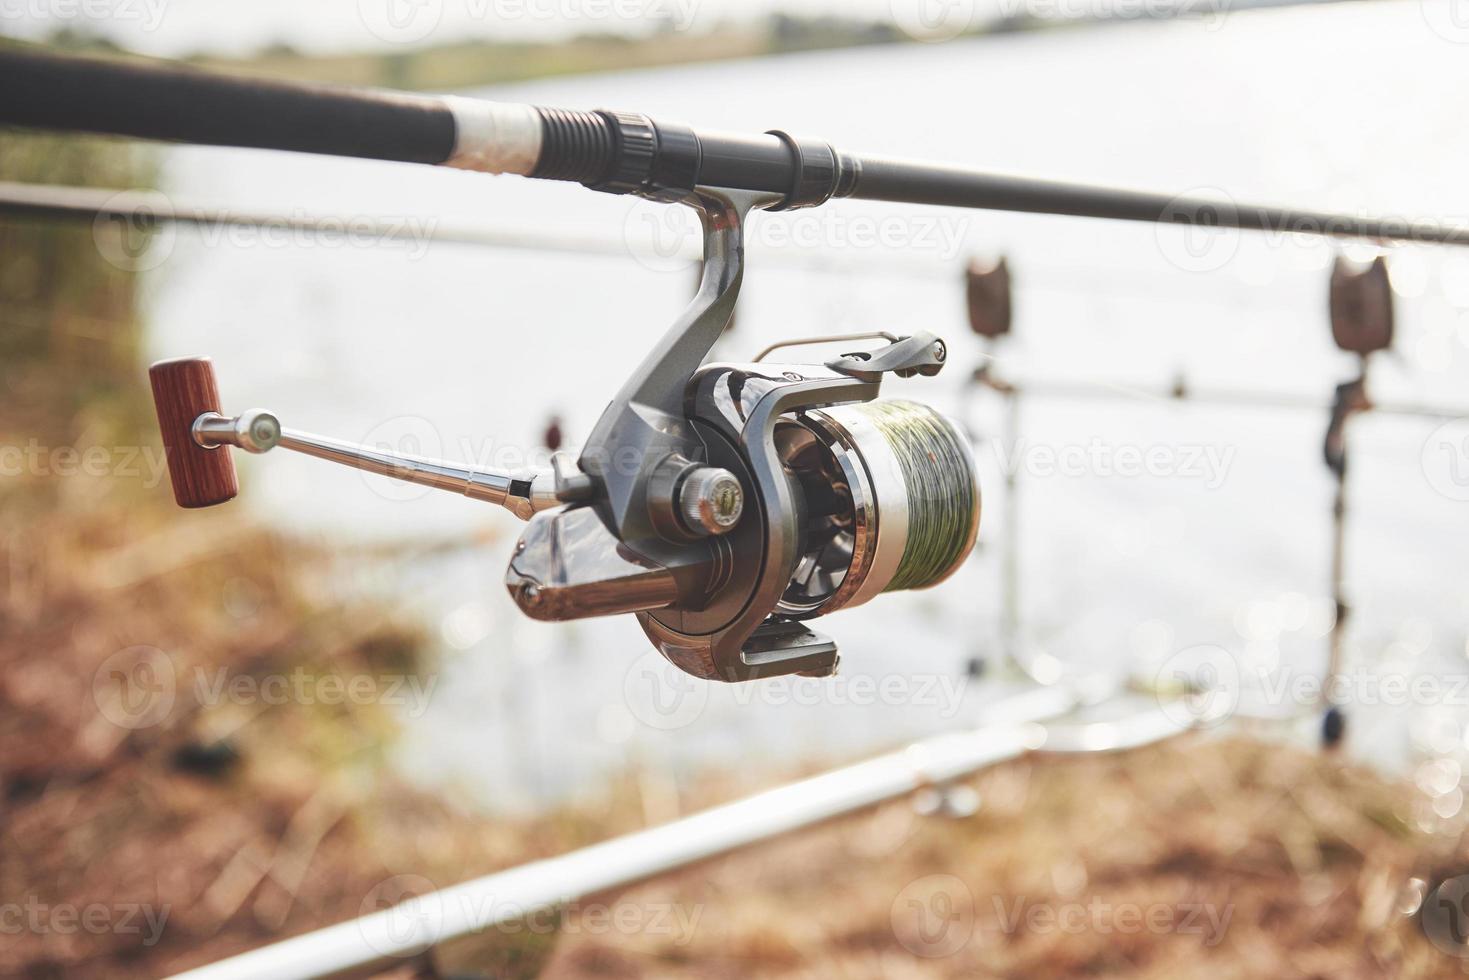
x: 183, y: 390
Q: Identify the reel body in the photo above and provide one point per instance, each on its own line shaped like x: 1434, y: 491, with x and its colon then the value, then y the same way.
x: 843, y: 496
x: 847, y: 497
x: 725, y: 504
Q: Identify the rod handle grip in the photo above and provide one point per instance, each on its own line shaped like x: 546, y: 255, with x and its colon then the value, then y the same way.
x: 183, y: 390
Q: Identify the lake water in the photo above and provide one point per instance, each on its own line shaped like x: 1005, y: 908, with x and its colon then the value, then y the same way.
x: 452, y: 350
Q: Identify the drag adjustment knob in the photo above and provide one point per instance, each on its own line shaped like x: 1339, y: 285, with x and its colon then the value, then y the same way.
x: 710, y: 501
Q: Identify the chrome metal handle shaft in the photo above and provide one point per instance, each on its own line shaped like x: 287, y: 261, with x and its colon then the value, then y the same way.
x: 523, y: 492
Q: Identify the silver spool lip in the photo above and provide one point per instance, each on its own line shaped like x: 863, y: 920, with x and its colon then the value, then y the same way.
x: 875, y: 479
x: 855, y: 436
x: 864, y: 521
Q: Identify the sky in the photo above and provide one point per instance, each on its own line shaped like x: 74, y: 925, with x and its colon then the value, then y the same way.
x: 179, y: 27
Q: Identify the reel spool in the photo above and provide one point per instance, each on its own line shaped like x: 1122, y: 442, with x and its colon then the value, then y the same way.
x: 890, y: 498
x: 726, y: 505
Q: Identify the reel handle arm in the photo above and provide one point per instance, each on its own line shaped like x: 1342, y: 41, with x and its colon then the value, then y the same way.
x: 195, y: 432
x: 522, y: 492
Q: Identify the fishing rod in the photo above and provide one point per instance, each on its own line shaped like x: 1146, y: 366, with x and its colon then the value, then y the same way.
x: 724, y: 504
x: 613, y: 151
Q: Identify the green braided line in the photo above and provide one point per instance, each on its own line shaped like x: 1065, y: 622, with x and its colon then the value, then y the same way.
x: 936, y: 474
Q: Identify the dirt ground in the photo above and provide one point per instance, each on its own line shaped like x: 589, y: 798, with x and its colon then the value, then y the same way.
x: 211, y: 827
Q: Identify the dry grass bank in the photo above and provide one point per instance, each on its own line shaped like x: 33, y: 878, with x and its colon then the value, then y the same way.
x: 1192, y: 859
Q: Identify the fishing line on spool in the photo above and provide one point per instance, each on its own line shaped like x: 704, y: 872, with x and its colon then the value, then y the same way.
x: 891, y: 502
x: 943, y: 497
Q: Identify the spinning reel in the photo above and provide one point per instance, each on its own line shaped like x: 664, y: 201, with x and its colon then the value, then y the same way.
x: 724, y: 504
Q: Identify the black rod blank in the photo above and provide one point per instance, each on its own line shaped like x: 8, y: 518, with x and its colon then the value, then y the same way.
x: 161, y: 101
x: 927, y: 183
